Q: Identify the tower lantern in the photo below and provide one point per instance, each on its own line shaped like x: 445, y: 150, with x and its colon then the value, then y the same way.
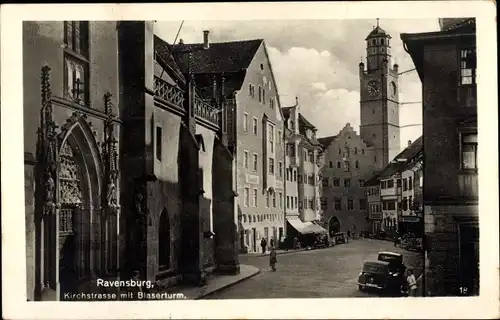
x: 378, y: 48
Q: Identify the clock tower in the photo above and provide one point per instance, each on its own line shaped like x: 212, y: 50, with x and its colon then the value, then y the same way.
x: 379, y: 99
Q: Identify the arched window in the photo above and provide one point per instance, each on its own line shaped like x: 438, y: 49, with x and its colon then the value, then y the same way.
x: 244, y: 218
x: 254, y: 219
x: 374, y: 42
x: 382, y: 41
x: 164, y: 241
x: 355, y: 150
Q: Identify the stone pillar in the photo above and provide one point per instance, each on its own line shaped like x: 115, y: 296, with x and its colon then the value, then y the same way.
x: 225, y: 217
x: 191, y: 254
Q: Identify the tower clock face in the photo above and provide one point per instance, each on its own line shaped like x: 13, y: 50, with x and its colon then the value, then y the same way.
x: 373, y: 88
x: 394, y: 89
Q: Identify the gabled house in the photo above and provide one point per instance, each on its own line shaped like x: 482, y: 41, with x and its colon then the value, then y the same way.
x: 240, y: 74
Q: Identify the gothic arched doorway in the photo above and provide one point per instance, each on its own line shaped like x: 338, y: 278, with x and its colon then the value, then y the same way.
x: 164, y: 241
x: 80, y: 225
x: 333, y: 225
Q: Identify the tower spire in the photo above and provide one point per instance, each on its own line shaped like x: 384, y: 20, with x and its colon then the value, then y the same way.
x: 377, y: 21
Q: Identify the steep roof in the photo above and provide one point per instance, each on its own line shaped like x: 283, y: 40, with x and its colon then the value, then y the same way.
x: 407, y: 154
x: 303, y: 121
x: 326, y: 141
x: 166, y: 59
x: 227, y: 57
x: 377, y: 31
x: 286, y: 112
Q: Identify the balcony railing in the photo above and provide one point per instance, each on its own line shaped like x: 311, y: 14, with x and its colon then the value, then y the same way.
x: 168, y: 92
x: 468, y: 185
x: 206, y: 111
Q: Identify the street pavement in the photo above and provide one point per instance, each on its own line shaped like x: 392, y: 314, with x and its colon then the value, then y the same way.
x: 321, y: 273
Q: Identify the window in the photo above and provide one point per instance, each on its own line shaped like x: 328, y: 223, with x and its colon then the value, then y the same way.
x: 324, y: 203
x: 296, y: 200
x: 338, y: 164
x: 390, y: 184
x: 337, y: 204
x: 330, y: 164
x: 311, y: 156
x: 336, y: 182
x: 410, y: 183
x: 251, y: 90
x: 355, y: 150
x: 267, y: 199
x: 255, y: 197
x: 274, y: 199
x: 361, y: 183
x: 362, y: 204
x: 405, y: 184
x: 468, y: 66
x: 356, y: 164
x: 375, y: 159
x: 271, y: 103
x: 263, y: 95
x: 310, y: 180
x: 254, y: 126
x: 271, y: 166
x: 158, y: 143
x: 398, y: 183
x: 310, y: 203
x: 76, y: 65
x: 280, y: 168
x: 288, y: 202
x: 280, y: 136
x: 325, y: 182
x: 280, y: 199
x: 247, y: 197
x: 382, y: 41
x: 245, y: 122
x: 383, y: 184
x: 362, y: 151
x: 260, y: 94
x: 350, y: 204
x: 271, y: 138
x: 294, y: 175
x: 469, y: 151
x: 245, y: 159
x: 347, y: 183
x: 255, y: 161
x: 290, y: 150
x: 410, y: 203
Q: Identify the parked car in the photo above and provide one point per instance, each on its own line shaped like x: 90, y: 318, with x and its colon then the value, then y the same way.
x: 340, y: 237
x: 394, y: 259
x: 377, y: 275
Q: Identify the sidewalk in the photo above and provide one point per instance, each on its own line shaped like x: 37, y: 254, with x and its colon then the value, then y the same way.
x: 215, y: 283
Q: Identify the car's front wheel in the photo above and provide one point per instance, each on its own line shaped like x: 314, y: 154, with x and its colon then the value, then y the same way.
x: 361, y: 288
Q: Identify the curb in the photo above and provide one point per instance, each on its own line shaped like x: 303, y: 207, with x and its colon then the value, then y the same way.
x: 227, y: 285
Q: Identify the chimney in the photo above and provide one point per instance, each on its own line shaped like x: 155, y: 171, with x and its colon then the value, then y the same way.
x: 409, y: 143
x: 206, y: 44
x: 181, y: 41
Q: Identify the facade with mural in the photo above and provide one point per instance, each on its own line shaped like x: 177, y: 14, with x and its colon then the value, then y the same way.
x: 254, y: 127
x: 446, y: 64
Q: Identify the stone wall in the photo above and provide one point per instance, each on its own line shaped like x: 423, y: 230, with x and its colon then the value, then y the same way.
x: 29, y: 198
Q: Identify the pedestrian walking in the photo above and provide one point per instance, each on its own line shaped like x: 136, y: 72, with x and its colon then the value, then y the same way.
x: 272, y: 259
x: 263, y: 244
x: 348, y: 234
x: 412, y: 284
x: 271, y: 242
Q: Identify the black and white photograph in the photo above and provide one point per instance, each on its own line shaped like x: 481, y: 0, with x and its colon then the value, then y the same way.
x: 191, y: 158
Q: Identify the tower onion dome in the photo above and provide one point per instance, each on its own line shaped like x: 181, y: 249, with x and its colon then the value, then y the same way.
x: 376, y: 32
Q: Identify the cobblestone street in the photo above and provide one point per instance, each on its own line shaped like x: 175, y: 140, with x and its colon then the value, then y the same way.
x: 321, y: 273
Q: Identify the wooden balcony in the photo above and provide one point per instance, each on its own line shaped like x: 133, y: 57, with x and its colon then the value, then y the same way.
x: 168, y: 92
x: 204, y: 111
x: 468, y: 186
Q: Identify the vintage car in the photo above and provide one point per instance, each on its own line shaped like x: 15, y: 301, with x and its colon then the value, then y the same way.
x: 395, y: 261
x: 377, y: 275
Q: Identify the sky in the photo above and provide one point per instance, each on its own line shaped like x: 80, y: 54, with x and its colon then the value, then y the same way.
x: 317, y: 61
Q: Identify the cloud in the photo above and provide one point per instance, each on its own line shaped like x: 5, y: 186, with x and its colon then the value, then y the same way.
x: 317, y: 61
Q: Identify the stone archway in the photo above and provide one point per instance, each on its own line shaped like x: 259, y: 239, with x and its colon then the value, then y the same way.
x: 81, y: 248
x: 333, y: 225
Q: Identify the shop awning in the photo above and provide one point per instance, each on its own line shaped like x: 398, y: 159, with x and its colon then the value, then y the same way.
x: 315, y: 228
x: 300, y: 226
